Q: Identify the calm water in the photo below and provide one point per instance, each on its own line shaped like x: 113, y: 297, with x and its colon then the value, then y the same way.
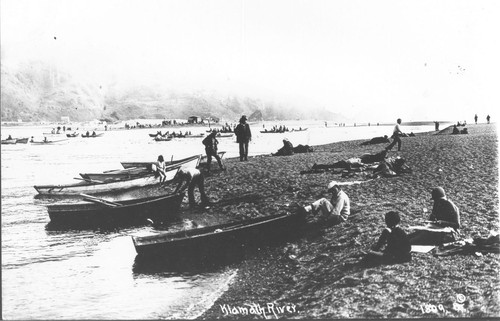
x: 90, y: 274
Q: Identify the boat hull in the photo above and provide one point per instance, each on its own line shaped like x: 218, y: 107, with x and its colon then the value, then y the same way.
x: 137, y: 211
x: 218, y: 241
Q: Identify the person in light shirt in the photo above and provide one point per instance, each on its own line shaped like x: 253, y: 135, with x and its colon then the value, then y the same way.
x: 189, y: 178
x: 396, y: 134
x: 330, y: 212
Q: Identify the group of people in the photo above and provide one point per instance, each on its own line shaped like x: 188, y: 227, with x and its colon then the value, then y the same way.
x: 394, y: 244
x: 190, y: 178
x: 487, y: 118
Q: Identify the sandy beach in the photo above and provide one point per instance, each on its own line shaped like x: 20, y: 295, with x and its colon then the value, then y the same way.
x: 319, y: 275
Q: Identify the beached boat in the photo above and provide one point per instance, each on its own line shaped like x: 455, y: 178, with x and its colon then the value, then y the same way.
x: 148, y: 164
x: 98, y: 212
x: 11, y: 141
x: 92, y: 135
x: 217, y: 240
x: 224, y: 135
x: 90, y: 186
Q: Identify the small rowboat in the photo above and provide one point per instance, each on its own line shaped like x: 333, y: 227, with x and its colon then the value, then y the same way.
x: 99, y: 212
x: 92, y: 186
x: 11, y: 141
x: 148, y: 164
x: 162, y: 139
x: 47, y: 142
x: 72, y: 135
x: 224, y: 135
x: 93, y: 136
x: 218, y: 240
x: 22, y: 140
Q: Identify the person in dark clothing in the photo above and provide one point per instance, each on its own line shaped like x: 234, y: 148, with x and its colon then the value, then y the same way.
x: 475, y: 118
x: 488, y: 119
x: 377, y: 140
x: 188, y: 178
x: 397, y: 246
x: 286, y: 150
x: 455, y: 130
x: 211, y: 143
x: 396, y: 134
x: 243, y: 137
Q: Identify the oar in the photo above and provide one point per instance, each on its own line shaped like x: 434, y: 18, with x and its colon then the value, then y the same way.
x: 99, y: 200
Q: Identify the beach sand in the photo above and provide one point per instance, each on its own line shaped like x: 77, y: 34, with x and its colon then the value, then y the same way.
x: 320, y: 273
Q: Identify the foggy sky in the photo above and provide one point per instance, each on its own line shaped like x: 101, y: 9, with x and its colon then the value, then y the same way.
x: 418, y: 60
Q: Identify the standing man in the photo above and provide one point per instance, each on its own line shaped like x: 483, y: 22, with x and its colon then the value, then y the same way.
x: 243, y: 137
x: 475, y: 118
x: 488, y: 119
x: 331, y: 212
x: 396, y: 136
x: 211, y: 143
x: 190, y: 177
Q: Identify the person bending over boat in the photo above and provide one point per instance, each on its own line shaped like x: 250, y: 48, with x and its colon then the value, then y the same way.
x: 190, y: 177
x: 211, y: 143
x: 444, y: 222
x: 331, y: 212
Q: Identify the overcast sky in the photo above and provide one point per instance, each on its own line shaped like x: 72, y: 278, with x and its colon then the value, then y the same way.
x: 418, y: 60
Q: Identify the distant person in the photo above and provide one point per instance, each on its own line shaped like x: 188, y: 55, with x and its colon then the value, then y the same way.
x: 397, y: 246
x: 10, y: 138
x: 475, y: 119
x: 87, y: 134
x: 243, y: 137
x: 332, y: 212
x: 444, y: 215
x: 160, y: 169
x: 211, y: 143
x: 488, y: 119
x: 455, y: 130
x: 93, y: 133
x: 436, y: 125
x: 396, y: 136
x: 190, y: 177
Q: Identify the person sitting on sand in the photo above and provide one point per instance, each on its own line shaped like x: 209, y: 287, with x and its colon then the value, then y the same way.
x: 354, y: 162
x: 455, y: 130
x: 377, y: 140
x: 392, y: 166
x: 372, y: 158
x: 332, y: 212
x: 190, y: 177
x: 286, y: 150
x: 397, y: 246
x: 464, y: 131
x: 444, y: 222
x: 211, y: 143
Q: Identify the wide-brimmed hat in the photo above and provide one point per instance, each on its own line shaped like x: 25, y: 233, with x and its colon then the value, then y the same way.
x: 244, y: 117
x: 332, y: 184
x: 437, y: 193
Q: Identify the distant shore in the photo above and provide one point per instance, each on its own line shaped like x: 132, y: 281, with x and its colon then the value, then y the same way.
x: 320, y: 274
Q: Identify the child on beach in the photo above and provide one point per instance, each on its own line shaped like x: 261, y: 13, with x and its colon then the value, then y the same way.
x: 397, y: 246
x: 160, y: 169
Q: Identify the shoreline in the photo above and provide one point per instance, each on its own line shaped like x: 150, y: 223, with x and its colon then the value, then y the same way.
x: 319, y: 274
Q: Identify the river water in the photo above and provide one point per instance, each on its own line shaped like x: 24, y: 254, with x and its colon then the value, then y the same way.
x: 84, y: 274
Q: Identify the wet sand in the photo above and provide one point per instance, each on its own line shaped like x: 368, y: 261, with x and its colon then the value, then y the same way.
x: 320, y: 273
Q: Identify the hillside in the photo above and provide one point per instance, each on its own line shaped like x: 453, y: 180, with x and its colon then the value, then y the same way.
x: 39, y: 92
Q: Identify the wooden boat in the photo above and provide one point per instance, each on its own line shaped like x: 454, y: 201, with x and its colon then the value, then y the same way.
x: 218, y: 240
x: 162, y: 139
x: 148, y: 164
x: 98, y: 212
x: 90, y: 186
x: 282, y: 131
x: 92, y: 136
x: 118, y: 174
x: 45, y: 142
x: 224, y: 135
x: 22, y: 140
x: 11, y: 141
x: 72, y: 135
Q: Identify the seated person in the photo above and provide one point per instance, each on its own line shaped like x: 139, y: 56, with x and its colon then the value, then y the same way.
x: 444, y: 222
x: 331, y: 212
x: 370, y: 158
x: 303, y: 149
x: 377, y: 140
x: 392, y: 166
x: 286, y: 150
x: 455, y: 130
x: 397, y: 246
x: 464, y: 131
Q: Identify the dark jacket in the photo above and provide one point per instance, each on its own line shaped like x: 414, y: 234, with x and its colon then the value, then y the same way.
x: 243, y: 133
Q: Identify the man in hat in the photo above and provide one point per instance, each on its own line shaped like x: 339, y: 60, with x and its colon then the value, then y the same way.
x: 444, y: 222
x: 331, y: 212
x: 243, y: 137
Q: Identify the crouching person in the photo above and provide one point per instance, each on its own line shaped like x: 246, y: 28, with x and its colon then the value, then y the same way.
x: 329, y: 213
x: 190, y: 177
x: 397, y: 245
